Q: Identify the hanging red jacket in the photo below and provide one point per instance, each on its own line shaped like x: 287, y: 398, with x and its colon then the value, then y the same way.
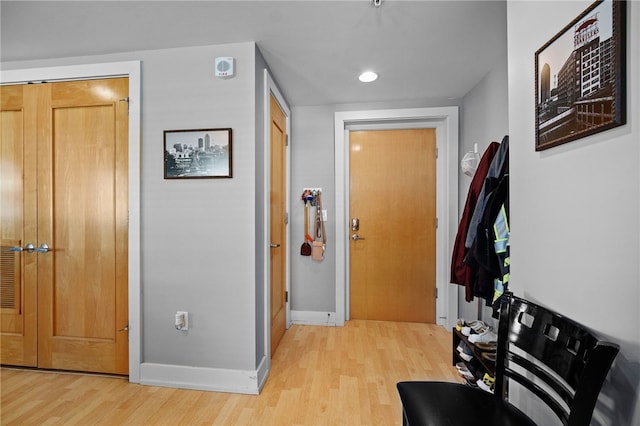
x: 462, y: 273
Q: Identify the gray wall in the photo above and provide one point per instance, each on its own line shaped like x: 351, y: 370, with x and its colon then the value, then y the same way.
x: 191, y: 228
x: 313, y: 285
x: 575, y: 208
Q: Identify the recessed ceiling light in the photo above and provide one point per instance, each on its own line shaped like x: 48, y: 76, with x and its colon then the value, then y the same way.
x: 368, y: 77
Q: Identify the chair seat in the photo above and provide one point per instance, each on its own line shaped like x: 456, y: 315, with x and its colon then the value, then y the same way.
x: 455, y: 404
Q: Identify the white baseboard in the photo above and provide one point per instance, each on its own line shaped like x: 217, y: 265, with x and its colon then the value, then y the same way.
x: 263, y: 372
x: 314, y: 318
x: 208, y: 379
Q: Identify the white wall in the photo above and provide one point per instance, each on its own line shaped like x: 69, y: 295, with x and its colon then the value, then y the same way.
x: 575, y: 215
x: 485, y: 119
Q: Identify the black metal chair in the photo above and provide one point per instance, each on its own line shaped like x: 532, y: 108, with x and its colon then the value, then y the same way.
x: 550, y: 356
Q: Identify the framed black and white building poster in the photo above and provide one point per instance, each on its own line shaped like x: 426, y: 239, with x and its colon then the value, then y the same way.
x: 197, y: 154
x: 580, y: 76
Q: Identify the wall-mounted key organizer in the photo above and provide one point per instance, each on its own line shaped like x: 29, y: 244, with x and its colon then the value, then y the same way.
x: 315, y: 239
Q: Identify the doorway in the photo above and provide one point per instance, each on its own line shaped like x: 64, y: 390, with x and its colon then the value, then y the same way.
x: 392, y: 211
x: 131, y: 70
x: 445, y: 122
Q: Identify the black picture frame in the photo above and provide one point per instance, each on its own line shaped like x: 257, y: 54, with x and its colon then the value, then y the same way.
x: 580, y: 77
x: 198, y: 154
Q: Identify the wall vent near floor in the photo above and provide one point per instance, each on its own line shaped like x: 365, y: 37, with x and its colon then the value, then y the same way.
x: 9, y: 275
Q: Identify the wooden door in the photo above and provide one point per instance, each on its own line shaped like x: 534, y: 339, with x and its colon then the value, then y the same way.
x: 18, y: 225
x: 82, y: 207
x: 393, y: 197
x: 278, y: 224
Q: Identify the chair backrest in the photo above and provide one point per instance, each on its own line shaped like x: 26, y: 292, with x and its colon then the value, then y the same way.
x: 557, y: 359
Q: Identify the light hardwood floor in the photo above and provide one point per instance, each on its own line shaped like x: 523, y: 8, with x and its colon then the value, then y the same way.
x: 319, y: 376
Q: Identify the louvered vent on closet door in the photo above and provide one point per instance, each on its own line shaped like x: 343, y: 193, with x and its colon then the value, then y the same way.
x: 9, y: 275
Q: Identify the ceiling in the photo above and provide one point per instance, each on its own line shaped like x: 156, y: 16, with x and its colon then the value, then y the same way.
x: 436, y: 50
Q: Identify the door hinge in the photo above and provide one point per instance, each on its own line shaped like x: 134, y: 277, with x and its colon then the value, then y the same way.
x: 286, y: 218
x: 436, y: 292
x: 436, y: 223
x: 286, y: 296
x: 436, y: 152
x: 286, y: 143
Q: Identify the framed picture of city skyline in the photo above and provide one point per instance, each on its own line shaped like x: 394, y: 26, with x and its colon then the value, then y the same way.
x: 580, y: 76
x: 197, y: 154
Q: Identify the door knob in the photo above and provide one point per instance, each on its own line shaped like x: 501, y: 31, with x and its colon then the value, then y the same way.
x: 42, y: 249
x: 356, y: 237
x: 273, y: 245
x: 29, y: 248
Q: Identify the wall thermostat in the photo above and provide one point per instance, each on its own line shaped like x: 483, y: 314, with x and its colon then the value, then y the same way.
x: 224, y: 67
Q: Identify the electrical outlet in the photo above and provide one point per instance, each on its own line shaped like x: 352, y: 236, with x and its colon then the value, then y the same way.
x: 182, y: 320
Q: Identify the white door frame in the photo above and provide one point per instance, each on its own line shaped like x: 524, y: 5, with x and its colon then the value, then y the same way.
x: 445, y: 121
x: 131, y: 70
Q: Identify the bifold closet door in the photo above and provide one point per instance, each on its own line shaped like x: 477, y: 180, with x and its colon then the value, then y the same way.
x: 18, y: 225
x: 80, y: 168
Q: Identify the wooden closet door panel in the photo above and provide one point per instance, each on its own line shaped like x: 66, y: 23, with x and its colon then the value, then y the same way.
x: 82, y: 216
x: 18, y: 225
